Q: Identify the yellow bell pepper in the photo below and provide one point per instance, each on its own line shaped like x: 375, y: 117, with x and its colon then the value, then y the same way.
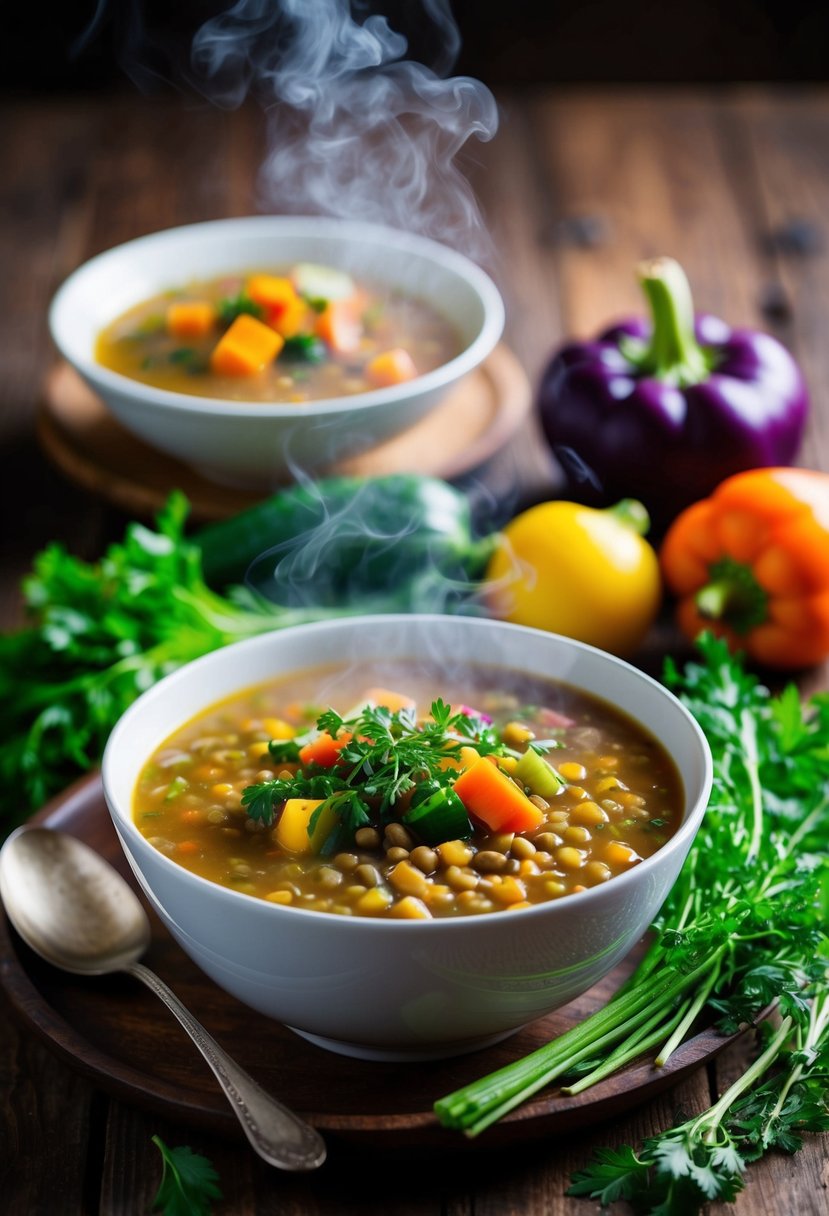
x: 586, y: 573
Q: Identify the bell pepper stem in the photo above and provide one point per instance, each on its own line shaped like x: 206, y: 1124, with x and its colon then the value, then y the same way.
x: 733, y: 596
x: 633, y: 514
x: 673, y: 353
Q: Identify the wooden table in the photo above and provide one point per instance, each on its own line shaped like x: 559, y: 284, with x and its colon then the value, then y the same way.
x: 576, y: 187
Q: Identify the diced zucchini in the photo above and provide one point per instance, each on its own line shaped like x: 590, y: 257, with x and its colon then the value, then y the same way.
x: 322, y: 282
x: 537, y: 775
x: 442, y: 816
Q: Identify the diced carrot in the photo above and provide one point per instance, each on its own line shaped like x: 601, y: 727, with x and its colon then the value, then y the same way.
x: 190, y: 318
x: 187, y: 847
x: 247, y: 347
x: 340, y: 327
x: 491, y: 797
x: 324, y: 750
x: 284, y: 309
x: 271, y: 292
x: 389, y: 699
x: 292, y: 320
x: 390, y: 367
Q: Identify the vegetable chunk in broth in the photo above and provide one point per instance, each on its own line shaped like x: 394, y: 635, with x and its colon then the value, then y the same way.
x: 420, y: 796
x: 294, y: 334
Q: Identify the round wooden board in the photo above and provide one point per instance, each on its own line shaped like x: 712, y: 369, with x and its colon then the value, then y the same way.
x: 92, y: 448
x: 116, y: 1032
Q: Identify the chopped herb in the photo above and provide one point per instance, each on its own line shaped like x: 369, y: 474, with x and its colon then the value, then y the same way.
x: 317, y: 303
x: 186, y: 357
x: 188, y: 1182
x: 232, y: 307
x: 303, y: 348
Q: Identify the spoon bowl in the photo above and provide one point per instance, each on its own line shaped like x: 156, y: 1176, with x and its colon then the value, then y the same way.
x: 77, y: 912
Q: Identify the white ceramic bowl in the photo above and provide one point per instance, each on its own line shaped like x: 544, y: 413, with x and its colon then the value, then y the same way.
x: 396, y: 989
x: 256, y: 444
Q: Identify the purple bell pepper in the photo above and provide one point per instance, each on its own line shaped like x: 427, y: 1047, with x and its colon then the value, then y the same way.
x: 663, y: 412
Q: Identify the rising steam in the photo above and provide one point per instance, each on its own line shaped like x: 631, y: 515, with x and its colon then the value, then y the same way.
x: 355, y: 130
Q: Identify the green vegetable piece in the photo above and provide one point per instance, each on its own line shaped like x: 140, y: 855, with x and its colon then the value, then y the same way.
x: 284, y: 751
x: 176, y: 787
x: 442, y: 816
x: 538, y: 775
x: 317, y: 282
x: 233, y: 306
x: 188, y: 1182
x: 394, y: 542
x: 303, y: 348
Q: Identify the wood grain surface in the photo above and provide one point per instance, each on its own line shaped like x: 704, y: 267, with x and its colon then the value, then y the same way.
x: 577, y: 186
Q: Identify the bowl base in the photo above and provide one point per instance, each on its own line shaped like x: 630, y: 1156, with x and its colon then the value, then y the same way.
x: 432, y: 1051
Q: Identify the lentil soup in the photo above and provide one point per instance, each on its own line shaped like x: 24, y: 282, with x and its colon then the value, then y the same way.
x: 420, y: 797
x: 294, y: 334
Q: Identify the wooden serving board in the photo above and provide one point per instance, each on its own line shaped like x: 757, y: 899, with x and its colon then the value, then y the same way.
x: 78, y: 433
x: 117, y: 1033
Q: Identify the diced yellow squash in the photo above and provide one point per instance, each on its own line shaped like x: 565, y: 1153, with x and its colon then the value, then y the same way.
x: 278, y: 728
x: 292, y: 826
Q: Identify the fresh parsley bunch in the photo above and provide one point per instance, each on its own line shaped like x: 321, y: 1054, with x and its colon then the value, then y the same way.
x: 744, y: 929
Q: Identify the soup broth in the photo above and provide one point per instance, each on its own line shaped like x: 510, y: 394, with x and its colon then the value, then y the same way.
x: 293, y: 334
x: 533, y: 791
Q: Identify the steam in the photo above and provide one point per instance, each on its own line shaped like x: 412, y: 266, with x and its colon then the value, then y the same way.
x: 355, y: 130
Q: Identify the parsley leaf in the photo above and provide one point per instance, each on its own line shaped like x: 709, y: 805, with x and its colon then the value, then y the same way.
x: 188, y: 1182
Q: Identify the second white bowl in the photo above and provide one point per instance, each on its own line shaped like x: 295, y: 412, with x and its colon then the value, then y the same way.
x: 250, y: 443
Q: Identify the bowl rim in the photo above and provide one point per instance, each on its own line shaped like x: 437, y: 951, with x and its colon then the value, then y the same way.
x: 123, y: 820
x: 463, y: 267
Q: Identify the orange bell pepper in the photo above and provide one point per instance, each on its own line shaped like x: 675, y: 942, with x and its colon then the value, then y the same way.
x: 751, y: 565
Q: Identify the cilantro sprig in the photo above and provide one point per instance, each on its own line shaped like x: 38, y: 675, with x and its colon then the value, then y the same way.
x: 385, y: 755
x: 744, y: 929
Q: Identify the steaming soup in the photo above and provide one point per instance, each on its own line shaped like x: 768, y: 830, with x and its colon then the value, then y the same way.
x: 297, y: 334
x: 522, y: 791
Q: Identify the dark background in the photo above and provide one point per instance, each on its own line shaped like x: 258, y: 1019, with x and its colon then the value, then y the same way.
x: 504, y: 42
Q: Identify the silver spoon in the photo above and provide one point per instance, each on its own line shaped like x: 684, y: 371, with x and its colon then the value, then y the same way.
x: 78, y: 913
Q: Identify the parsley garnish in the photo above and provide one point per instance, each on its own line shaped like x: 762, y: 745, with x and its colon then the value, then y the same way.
x: 188, y: 1182
x: 385, y: 757
x: 303, y: 348
x: 233, y: 306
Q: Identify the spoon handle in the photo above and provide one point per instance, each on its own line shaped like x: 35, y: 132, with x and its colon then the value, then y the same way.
x: 277, y: 1134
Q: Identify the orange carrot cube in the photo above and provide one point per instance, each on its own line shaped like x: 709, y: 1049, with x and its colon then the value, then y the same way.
x: 324, y: 750
x: 340, y: 327
x: 491, y: 797
x: 390, y: 367
x: 247, y: 347
x: 190, y: 318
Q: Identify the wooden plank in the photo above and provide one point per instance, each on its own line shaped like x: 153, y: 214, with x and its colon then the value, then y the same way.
x: 45, y: 1111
